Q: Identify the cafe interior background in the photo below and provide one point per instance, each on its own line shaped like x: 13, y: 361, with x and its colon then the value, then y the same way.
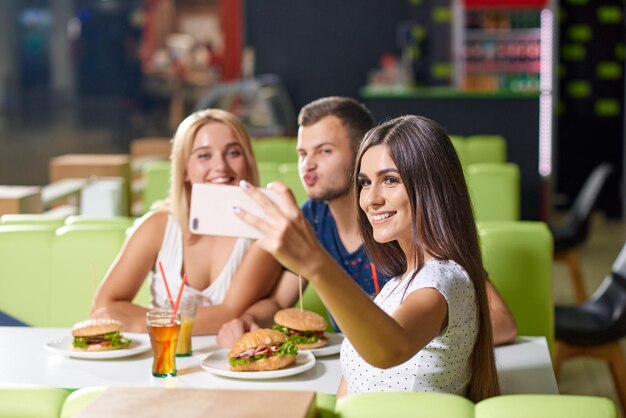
x: 92, y: 76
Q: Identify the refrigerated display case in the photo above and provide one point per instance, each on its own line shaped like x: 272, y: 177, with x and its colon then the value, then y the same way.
x: 503, y: 45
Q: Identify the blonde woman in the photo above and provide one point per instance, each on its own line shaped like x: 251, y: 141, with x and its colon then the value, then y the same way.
x: 227, y: 275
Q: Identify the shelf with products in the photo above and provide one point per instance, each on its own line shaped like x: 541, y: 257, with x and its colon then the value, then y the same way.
x: 498, y: 45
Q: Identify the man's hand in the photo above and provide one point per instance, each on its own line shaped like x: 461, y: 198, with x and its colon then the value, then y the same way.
x: 233, y: 330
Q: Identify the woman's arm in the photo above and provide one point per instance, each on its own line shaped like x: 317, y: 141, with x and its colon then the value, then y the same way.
x: 342, y: 390
x: 127, y: 273
x: 262, y: 312
x: 502, y: 321
x: 382, y: 340
x: 255, y: 278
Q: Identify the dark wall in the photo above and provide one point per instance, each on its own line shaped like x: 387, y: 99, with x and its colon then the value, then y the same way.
x: 322, y: 47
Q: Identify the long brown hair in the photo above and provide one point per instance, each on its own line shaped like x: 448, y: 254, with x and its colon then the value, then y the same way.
x: 444, y: 222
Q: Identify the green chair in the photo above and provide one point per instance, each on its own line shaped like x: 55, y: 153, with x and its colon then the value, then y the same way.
x: 458, y: 142
x: 268, y: 172
x: 495, y: 191
x: 55, y: 221
x: 31, y: 401
x: 78, y: 400
x: 546, y: 406
x: 276, y: 150
x: 81, y: 255
x: 485, y: 149
x: 325, y: 405
x: 290, y: 175
x: 518, y: 258
x: 404, y: 405
x: 115, y: 221
x: 156, y: 182
x: 25, y: 272
x: 312, y: 302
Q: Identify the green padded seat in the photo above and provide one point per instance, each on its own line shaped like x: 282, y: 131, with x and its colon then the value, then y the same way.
x: 458, y: 142
x: 404, y: 405
x: 32, y: 219
x: 289, y: 175
x: 115, y: 221
x: 485, y: 149
x: 518, y: 258
x: 276, y: 150
x: 78, y: 400
x: 268, y: 172
x: 495, y: 191
x: 25, y: 272
x: 325, y: 405
x: 546, y: 406
x: 156, y: 182
x: 31, y: 401
x: 82, y: 255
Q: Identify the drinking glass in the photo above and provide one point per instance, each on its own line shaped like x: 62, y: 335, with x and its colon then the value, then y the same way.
x: 187, y: 310
x: 163, y: 328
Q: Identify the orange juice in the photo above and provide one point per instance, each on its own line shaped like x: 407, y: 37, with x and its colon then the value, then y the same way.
x: 183, y: 349
x: 163, y: 338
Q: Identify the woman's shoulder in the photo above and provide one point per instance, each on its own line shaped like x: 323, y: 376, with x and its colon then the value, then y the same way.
x: 152, y: 222
x: 441, y: 271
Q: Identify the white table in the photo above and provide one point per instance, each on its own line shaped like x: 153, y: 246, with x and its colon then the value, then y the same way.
x: 524, y: 367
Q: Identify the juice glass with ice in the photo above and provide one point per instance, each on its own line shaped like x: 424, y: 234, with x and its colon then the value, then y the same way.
x: 163, y: 329
x: 187, y: 310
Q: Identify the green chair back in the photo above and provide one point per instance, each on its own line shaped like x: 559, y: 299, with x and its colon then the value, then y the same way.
x: 404, y: 405
x: 55, y: 221
x: 518, y: 258
x: 495, y: 191
x: 276, y: 150
x: 81, y: 255
x: 78, y: 400
x: 312, y: 302
x: 458, y: 142
x: 156, y: 182
x: 115, y: 221
x: 268, y: 172
x: 290, y: 175
x: 25, y: 272
x: 485, y: 149
x: 31, y: 401
x: 546, y: 406
x: 286, y: 173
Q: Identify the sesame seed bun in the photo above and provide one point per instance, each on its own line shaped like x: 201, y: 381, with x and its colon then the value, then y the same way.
x: 92, y: 327
x: 300, y: 320
x: 256, y: 338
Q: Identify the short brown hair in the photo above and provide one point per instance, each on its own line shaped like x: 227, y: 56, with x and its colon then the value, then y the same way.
x: 352, y: 114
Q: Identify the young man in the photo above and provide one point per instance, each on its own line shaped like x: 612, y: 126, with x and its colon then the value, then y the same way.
x: 329, y: 133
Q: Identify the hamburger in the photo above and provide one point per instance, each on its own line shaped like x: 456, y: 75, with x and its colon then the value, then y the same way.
x: 262, y: 350
x: 304, y: 328
x: 101, y: 334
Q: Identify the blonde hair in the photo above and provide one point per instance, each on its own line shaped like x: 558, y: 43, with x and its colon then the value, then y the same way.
x: 182, y: 144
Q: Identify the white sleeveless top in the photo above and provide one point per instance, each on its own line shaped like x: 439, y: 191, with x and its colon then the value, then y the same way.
x: 171, y: 256
x: 444, y: 364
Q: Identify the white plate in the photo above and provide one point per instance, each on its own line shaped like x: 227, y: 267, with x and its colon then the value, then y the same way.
x: 217, y: 363
x: 140, y: 343
x: 332, y: 347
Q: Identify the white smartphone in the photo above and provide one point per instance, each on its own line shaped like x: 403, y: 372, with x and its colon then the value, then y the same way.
x: 211, y: 211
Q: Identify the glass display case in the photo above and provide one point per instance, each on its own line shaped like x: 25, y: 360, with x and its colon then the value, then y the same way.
x: 503, y: 45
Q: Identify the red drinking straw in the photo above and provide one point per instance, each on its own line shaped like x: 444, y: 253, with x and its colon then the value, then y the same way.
x: 180, y: 293
x: 167, y: 288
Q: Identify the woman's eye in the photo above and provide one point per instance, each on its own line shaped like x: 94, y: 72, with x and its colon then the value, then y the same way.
x: 391, y: 180
x: 203, y: 155
x: 363, y: 183
x: 325, y: 152
x: 234, y: 153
